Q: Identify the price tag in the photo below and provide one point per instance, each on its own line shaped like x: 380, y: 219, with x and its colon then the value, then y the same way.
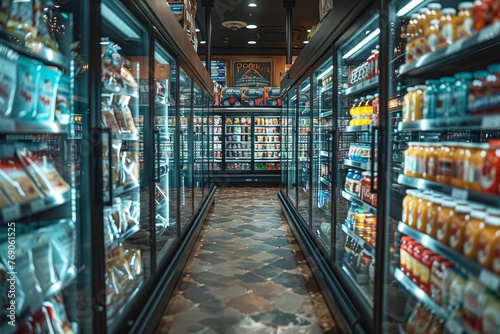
x: 489, y: 279
x: 460, y: 194
x: 37, y: 205
x: 454, y: 326
x: 490, y: 122
x: 11, y: 213
x: 454, y: 48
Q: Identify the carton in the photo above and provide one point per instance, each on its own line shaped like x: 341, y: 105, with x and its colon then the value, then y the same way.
x: 272, y: 96
x: 231, y: 97
x: 252, y: 96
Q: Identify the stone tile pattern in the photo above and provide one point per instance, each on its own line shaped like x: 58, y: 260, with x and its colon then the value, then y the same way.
x: 247, y: 274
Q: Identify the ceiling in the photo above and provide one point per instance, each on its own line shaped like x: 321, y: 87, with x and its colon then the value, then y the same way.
x: 270, y: 18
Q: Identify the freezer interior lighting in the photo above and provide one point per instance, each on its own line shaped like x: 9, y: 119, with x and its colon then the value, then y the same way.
x: 365, y: 41
x: 251, y: 26
x: 160, y: 59
x: 203, y: 42
x: 117, y: 22
x: 409, y: 7
x: 252, y: 42
x: 326, y: 72
x: 197, y: 30
x: 306, y: 87
x: 252, y: 4
x: 305, y: 42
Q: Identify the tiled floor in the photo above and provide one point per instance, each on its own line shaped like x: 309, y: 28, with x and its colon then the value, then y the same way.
x: 247, y: 274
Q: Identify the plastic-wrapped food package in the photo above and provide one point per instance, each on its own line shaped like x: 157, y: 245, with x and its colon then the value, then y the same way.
x: 129, y: 167
x: 129, y: 221
x: 42, y: 255
x: 134, y: 261
x: 63, y: 244
x: 28, y: 73
x: 40, y: 166
x: 110, y: 229
x: 20, y: 22
x: 8, y: 76
x: 47, y: 93
x: 63, y: 100
x: 15, y: 183
x: 56, y: 309
x: 109, y: 119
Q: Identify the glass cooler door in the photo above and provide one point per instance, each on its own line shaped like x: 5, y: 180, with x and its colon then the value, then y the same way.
x: 355, y: 203
x: 186, y: 148
x: 217, y: 140
x: 304, y: 139
x: 441, y: 249
x: 284, y: 144
x: 165, y: 172
x: 198, y: 128
x: 238, y: 145
x: 124, y: 56
x: 292, y: 145
x: 322, y: 155
x: 267, y: 147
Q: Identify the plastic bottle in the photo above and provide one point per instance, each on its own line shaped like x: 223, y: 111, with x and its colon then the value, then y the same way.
x: 418, y: 103
x: 353, y: 110
x: 411, y: 33
x: 408, y: 104
x: 465, y: 20
x: 432, y: 35
x: 430, y: 98
x: 447, y: 27
x: 444, y: 98
x: 376, y: 109
x: 460, y: 94
x: 477, y: 100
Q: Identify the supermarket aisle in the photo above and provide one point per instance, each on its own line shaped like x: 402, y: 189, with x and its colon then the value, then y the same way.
x: 247, y: 274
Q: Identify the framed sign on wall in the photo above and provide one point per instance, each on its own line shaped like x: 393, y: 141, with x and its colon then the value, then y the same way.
x: 252, y: 72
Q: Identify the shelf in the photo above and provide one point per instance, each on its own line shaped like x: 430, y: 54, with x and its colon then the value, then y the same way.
x: 268, y: 142
x: 353, y: 198
x: 324, y: 154
x: 35, y: 50
x: 365, y: 85
x: 116, y: 90
x: 459, y: 51
x: 485, y: 276
x: 267, y: 126
x: 266, y: 160
x: 360, y: 279
x: 126, y: 188
x: 456, y: 193
x: 366, y: 246
x: 325, y: 114
x: 12, y: 126
x: 238, y: 159
x: 39, y: 205
x: 327, y: 87
x: 238, y: 133
x: 269, y: 150
x: 122, y: 238
x: 486, y: 122
x: 126, y: 136
x: 356, y: 164
x: 362, y: 128
x: 325, y: 182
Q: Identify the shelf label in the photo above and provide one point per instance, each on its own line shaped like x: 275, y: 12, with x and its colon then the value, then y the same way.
x: 489, y: 279
x: 453, y: 48
x: 490, y: 122
x: 453, y: 326
x: 37, y: 205
x: 11, y: 213
x: 460, y: 194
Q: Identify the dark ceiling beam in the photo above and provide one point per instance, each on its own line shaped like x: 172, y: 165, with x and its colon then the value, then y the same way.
x: 289, y: 5
x: 208, y: 5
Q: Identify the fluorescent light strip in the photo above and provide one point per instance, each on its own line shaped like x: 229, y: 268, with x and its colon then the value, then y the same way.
x: 327, y: 71
x: 117, y: 22
x: 409, y: 7
x: 306, y: 87
x: 367, y: 39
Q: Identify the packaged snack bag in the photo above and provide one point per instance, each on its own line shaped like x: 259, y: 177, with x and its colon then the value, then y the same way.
x: 47, y: 93
x: 28, y: 73
x: 63, y: 244
x: 15, y: 183
x: 42, y: 255
x: 8, y: 76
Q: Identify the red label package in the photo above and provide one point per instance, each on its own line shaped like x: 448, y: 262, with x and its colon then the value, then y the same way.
x: 272, y: 96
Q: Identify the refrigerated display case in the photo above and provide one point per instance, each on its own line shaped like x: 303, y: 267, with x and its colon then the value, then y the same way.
x: 251, y: 150
x: 442, y: 202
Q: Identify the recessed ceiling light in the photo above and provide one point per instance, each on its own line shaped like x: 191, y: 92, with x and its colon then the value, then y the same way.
x: 252, y: 42
x: 308, y: 30
x: 203, y: 42
x: 197, y: 30
x: 251, y: 26
x: 305, y: 42
x: 252, y: 4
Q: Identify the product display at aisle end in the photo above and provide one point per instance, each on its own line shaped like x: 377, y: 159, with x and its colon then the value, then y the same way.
x: 39, y: 166
x: 444, y: 195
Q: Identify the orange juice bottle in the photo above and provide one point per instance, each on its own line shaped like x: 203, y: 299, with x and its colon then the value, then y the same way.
x: 465, y: 20
x: 408, y: 104
x: 423, y: 208
x: 447, y: 27
x: 353, y: 110
x: 414, y: 209
x: 471, y: 234
x: 444, y: 221
x: 487, y: 240
x: 417, y: 111
x: 433, y: 211
x: 458, y: 225
x: 407, y: 201
x: 411, y: 33
x: 432, y: 35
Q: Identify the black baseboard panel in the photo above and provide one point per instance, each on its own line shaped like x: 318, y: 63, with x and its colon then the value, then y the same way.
x: 346, y: 316
x: 153, y: 310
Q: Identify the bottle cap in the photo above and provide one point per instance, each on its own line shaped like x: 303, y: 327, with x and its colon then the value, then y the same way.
x: 449, y: 11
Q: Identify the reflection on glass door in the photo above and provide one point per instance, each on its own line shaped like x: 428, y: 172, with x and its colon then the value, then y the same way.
x: 186, y: 148
x: 292, y: 146
x: 304, y: 119
x: 165, y: 217
x: 322, y: 155
x: 198, y: 128
x: 126, y: 188
x: 284, y: 144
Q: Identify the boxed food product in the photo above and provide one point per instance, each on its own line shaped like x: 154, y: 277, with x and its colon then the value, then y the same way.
x: 252, y: 96
x: 28, y: 73
x: 272, y: 96
x: 47, y: 93
x: 8, y: 76
x: 231, y: 96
